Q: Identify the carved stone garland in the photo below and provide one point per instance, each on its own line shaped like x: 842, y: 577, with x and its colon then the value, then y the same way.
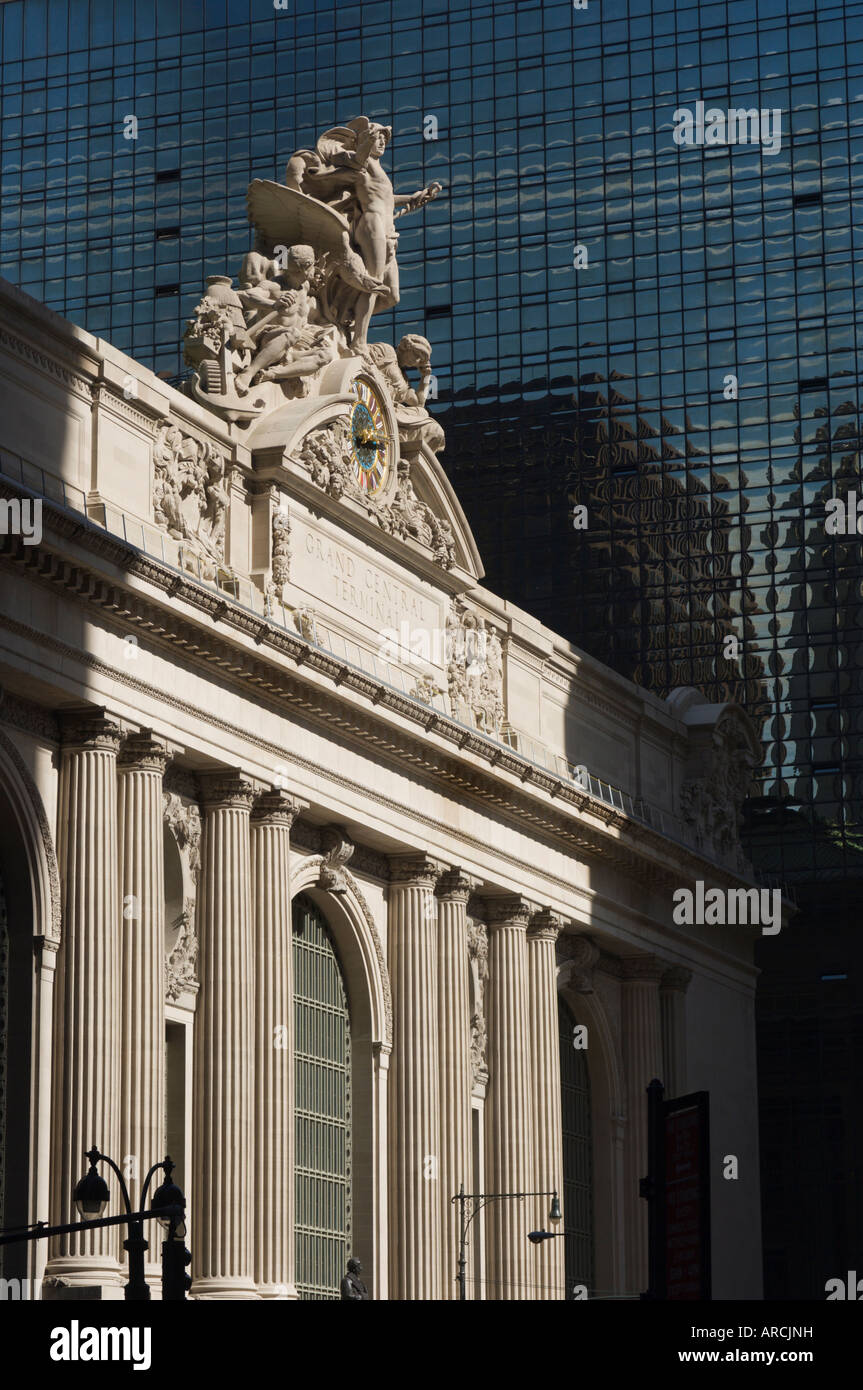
x: 327, y: 455
x: 190, y: 495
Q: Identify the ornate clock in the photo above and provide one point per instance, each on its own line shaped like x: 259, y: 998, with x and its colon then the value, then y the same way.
x: 371, y: 445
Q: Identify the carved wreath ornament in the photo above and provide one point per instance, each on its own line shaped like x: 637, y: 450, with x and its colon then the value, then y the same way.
x: 327, y: 455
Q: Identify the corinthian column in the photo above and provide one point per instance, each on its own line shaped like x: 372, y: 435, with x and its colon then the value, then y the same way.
x: 642, y: 1061
x: 455, y: 1072
x: 272, y: 818
x: 545, y: 1084
x: 85, y: 1110
x: 414, y: 1180
x: 142, y: 969
x: 672, y: 1003
x: 509, y: 1109
x: 224, y: 1065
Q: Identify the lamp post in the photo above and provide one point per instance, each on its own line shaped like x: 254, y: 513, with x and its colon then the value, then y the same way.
x: 91, y: 1198
x: 175, y: 1256
x: 484, y: 1199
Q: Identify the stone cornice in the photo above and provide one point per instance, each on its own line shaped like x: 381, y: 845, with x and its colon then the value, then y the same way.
x: 643, y: 853
x: 28, y: 353
x: 107, y: 397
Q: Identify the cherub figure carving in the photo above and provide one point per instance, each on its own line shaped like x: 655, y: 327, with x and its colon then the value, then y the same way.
x: 414, y: 421
x: 288, y: 344
x: 259, y: 288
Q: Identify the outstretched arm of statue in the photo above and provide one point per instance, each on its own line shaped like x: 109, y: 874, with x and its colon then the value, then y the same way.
x: 412, y: 202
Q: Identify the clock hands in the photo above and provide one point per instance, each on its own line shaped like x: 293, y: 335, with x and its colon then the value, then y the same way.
x: 366, y: 438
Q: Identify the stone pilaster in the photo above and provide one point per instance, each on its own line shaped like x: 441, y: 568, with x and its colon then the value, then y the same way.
x: 642, y: 1061
x: 224, y: 1192
x: 414, y: 1084
x: 545, y: 1084
x: 86, y: 1048
x: 272, y: 818
x: 672, y: 1005
x: 455, y: 1166
x: 509, y: 1108
x: 141, y: 765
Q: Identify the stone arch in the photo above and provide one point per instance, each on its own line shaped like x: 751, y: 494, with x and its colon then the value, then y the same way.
x: 28, y: 812
x: 360, y: 951
x: 32, y: 911
x: 605, y: 1069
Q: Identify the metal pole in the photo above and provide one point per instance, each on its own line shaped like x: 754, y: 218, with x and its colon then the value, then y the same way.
x: 462, y: 1259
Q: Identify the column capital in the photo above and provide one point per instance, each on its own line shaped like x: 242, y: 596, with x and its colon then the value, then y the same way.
x: 226, y: 788
x: 275, y: 807
x: 511, y: 910
x: 545, y: 925
x: 91, y: 729
x: 143, y: 752
x: 455, y: 885
x: 414, y: 870
x: 676, y: 979
x: 646, y: 970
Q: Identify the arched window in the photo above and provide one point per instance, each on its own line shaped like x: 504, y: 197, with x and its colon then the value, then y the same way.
x: 322, y: 1041
x: 577, y: 1155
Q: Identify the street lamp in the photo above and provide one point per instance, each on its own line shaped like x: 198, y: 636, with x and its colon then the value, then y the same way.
x: 91, y: 1199
x: 484, y: 1198
x: 175, y: 1256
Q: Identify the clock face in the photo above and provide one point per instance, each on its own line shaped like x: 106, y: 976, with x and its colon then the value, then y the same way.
x: 370, y: 444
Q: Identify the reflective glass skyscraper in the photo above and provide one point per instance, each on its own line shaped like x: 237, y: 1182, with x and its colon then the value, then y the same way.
x: 655, y: 340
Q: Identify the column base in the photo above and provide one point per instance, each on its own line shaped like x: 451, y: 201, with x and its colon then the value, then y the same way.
x: 223, y: 1288
x: 281, y: 1292
x: 83, y: 1278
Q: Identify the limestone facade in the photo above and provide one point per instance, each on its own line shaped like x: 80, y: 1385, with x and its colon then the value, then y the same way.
x: 234, y: 672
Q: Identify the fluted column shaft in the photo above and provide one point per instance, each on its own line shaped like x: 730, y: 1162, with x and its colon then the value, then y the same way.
x: 545, y: 1085
x: 414, y: 1094
x: 272, y: 818
x: 85, y: 1108
x: 509, y: 1109
x: 672, y: 1003
x: 141, y: 766
x: 222, y: 1229
x: 642, y: 1060
x: 455, y: 1071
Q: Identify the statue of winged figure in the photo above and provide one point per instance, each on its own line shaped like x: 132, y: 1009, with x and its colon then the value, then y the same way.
x: 343, y: 174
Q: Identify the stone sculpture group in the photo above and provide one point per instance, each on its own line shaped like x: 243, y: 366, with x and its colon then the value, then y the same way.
x: 324, y: 262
